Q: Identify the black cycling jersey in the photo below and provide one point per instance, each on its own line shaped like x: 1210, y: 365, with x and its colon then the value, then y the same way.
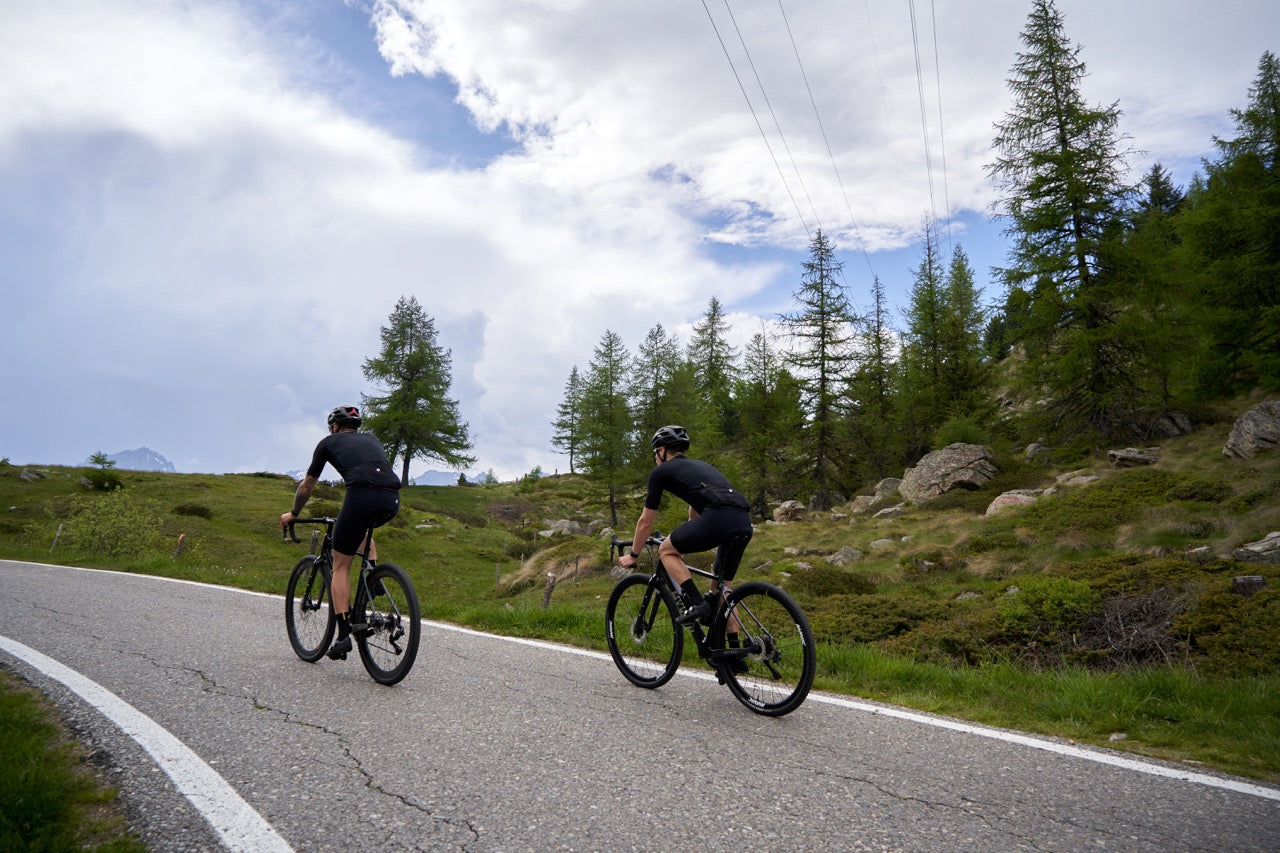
x: 723, y: 521
x: 358, y: 458
x: 695, y: 482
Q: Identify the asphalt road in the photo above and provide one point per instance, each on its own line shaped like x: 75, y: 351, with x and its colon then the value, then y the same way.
x: 492, y: 744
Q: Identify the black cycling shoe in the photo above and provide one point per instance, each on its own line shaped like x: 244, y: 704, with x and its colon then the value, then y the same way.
x: 339, y: 649
x: 738, y: 666
x: 375, y: 588
x: 700, y: 612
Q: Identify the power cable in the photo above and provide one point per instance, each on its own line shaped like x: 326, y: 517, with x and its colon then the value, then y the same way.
x: 756, y: 118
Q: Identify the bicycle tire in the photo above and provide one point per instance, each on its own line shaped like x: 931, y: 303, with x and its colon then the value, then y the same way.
x: 640, y: 624
x: 388, y: 643
x: 308, y: 614
x: 782, y: 661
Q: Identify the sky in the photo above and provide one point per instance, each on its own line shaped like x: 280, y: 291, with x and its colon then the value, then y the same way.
x: 209, y: 208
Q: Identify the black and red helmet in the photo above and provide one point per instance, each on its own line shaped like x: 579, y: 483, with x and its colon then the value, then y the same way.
x: 346, y: 416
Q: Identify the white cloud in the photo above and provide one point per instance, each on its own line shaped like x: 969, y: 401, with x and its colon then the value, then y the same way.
x: 192, y: 204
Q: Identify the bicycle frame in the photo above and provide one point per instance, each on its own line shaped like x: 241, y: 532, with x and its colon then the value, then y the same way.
x: 701, y: 636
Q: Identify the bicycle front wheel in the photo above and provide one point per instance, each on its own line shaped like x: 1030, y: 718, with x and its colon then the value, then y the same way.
x: 640, y: 624
x: 775, y: 673
x: 388, y: 624
x: 308, y: 618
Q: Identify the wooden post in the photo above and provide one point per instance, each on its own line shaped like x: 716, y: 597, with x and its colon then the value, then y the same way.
x: 182, y: 539
x: 546, y: 595
x: 315, y: 539
x: 56, y: 536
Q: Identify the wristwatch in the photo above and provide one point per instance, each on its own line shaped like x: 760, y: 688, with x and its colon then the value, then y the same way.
x: 633, y: 554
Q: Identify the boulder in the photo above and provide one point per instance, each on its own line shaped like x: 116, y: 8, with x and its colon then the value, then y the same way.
x: 1134, y: 457
x: 1265, y: 550
x: 844, y: 556
x: 789, y: 511
x: 861, y: 504
x: 887, y: 489
x: 1016, y: 497
x: 563, y: 527
x: 1255, y: 431
x: 957, y: 466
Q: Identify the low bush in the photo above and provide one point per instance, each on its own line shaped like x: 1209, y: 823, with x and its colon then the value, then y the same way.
x: 113, y: 524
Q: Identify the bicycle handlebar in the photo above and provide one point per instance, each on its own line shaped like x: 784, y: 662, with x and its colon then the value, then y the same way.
x: 620, y: 544
x: 288, y: 532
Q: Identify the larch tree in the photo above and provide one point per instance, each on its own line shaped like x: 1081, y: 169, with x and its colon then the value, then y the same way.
x: 1060, y: 167
x: 414, y: 416
x: 822, y: 329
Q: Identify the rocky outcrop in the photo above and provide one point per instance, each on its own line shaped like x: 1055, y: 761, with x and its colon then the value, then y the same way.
x: 957, y: 466
x: 1014, y: 498
x: 789, y: 511
x: 1265, y: 550
x: 1134, y: 457
x: 1255, y: 431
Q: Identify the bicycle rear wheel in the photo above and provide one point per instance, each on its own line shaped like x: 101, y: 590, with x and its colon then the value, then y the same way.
x: 780, y: 661
x: 308, y: 618
x: 640, y: 624
x: 392, y: 622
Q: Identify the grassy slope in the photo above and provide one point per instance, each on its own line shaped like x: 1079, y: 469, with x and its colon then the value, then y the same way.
x: 921, y: 621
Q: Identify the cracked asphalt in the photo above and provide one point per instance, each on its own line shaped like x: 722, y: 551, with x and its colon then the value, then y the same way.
x: 491, y: 745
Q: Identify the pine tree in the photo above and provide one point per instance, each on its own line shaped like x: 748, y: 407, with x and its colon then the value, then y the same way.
x: 873, y: 421
x: 1060, y: 166
x: 714, y: 363
x: 822, y: 328
x: 608, y: 437
x: 567, y: 426
x: 414, y: 417
x: 768, y: 400
x: 1233, y: 227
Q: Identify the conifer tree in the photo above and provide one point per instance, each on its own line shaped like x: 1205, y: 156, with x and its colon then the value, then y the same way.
x: 567, y: 427
x: 822, y: 328
x: 414, y: 417
x: 1060, y: 166
x: 608, y: 437
x: 1233, y: 228
x: 714, y: 363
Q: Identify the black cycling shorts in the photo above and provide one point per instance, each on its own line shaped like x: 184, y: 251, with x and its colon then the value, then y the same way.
x: 727, y: 530
x: 361, y: 510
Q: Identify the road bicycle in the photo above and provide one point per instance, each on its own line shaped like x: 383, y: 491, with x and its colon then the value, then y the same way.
x: 771, y: 668
x: 385, y: 621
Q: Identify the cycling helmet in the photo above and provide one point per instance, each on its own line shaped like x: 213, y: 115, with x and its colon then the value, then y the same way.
x: 672, y: 437
x: 345, y: 416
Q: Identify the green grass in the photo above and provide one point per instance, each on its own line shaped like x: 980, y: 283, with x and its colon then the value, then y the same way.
x: 998, y: 620
x: 50, y: 798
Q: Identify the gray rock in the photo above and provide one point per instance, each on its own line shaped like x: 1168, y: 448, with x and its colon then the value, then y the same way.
x: 1255, y: 431
x: 1134, y: 457
x: 844, y: 556
x: 887, y: 489
x: 957, y: 466
x: 789, y: 511
x: 1265, y: 550
x: 1014, y: 498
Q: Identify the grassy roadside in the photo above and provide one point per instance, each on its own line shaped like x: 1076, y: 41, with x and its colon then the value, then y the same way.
x: 991, y: 619
x: 51, y: 798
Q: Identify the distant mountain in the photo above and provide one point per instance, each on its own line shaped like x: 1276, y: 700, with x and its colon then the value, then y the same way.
x: 142, y: 459
x: 438, y: 478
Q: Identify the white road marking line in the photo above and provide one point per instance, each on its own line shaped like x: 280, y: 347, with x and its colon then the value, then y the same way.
x: 239, y: 826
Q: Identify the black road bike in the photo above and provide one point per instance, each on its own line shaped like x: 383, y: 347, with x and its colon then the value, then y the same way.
x: 771, y: 668
x: 386, y: 623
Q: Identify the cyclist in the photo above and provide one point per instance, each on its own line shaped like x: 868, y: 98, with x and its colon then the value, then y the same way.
x: 719, y: 517
x: 372, y: 499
